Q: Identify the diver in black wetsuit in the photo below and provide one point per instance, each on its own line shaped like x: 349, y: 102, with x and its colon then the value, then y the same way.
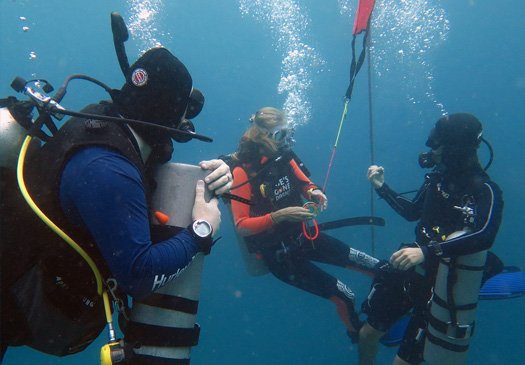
x: 457, y: 195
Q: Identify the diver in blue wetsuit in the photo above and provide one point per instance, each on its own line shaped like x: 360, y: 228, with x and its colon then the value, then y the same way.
x: 457, y: 196
x: 94, y: 180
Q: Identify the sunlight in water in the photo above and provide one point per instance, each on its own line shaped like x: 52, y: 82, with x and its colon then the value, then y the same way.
x: 289, y: 25
x: 346, y: 8
x: 142, y: 23
x: 404, y: 33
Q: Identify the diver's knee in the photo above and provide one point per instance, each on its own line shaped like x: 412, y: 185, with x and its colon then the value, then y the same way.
x: 369, y: 334
x: 399, y: 361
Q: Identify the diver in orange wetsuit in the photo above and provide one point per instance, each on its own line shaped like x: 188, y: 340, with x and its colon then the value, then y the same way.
x: 266, y: 172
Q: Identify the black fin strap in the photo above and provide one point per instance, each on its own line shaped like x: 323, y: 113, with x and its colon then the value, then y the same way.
x: 152, y: 335
x: 443, y: 304
x: 352, y: 221
x: 171, y: 302
x: 153, y: 360
x: 446, y: 345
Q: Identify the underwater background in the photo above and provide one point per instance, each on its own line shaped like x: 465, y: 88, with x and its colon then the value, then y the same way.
x: 427, y: 58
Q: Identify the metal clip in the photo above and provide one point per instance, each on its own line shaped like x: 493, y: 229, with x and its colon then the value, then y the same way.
x: 112, y: 285
x: 424, y: 231
x: 465, y: 210
x: 458, y: 331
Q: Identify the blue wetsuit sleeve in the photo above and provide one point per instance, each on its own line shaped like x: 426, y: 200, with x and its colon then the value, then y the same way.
x: 103, y: 192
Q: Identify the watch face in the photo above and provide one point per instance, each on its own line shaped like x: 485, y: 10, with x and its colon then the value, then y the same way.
x: 202, y: 228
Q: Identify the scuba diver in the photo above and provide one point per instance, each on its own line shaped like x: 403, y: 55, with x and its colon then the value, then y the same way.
x: 459, y: 211
x: 278, y: 227
x: 93, y: 178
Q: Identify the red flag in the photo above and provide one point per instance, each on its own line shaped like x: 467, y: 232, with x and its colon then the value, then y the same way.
x: 364, y: 11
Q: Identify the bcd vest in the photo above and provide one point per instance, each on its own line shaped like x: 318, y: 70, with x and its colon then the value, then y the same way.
x: 274, y: 188
x: 442, y: 200
x: 53, y: 295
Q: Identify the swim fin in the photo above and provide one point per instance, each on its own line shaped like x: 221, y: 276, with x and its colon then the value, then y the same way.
x: 510, y: 283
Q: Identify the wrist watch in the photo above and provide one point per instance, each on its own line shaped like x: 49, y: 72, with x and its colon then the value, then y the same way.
x: 202, y: 230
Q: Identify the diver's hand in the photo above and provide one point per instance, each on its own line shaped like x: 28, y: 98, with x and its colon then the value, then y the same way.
x: 320, y: 198
x: 406, y: 258
x: 220, y: 178
x: 209, y: 211
x: 376, y: 176
x: 291, y: 214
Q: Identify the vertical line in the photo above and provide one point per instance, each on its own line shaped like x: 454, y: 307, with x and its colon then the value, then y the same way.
x: 371, y: 134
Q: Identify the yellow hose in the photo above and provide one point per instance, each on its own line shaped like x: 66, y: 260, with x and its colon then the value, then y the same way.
x: 58, y: 231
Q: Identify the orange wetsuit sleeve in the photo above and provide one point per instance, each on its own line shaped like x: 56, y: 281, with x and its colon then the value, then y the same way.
x: 244, y: 223
x: 307, y: 184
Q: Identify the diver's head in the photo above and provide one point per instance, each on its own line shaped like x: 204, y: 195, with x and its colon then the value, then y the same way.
x: 269, y: 131
x: 158, y: 90
x: 454, y: 141
x: 267, y: 135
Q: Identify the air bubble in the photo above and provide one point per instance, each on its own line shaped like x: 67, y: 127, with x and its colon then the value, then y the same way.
x: 286, y: 20
x: 416, y: 27
x: 143, y: 22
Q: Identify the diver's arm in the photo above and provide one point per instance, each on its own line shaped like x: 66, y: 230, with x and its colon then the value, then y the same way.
x: 310, y: 190
x: 408, y: 209
x: 104, y: 193
x: 489, y: 208
x: 307, y: 185
x: 244, y: 223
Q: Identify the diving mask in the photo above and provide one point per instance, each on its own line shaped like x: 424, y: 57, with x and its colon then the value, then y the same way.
x: 279, y: 135
x: 283, y: 137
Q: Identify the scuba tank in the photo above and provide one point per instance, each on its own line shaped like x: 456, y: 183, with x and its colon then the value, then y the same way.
x: 163, y: 323
x: 12, y: 135
x: 453, y: 309
x: 254, y: 265
x: 16, y: 117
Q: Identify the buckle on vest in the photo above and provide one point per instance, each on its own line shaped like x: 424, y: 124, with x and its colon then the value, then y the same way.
x: 458, y: 331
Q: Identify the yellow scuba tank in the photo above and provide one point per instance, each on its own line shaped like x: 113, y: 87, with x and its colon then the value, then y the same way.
x: 453, y: 309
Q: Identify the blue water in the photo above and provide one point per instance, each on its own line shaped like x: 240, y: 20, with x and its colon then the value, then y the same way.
x: 428, y: 57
